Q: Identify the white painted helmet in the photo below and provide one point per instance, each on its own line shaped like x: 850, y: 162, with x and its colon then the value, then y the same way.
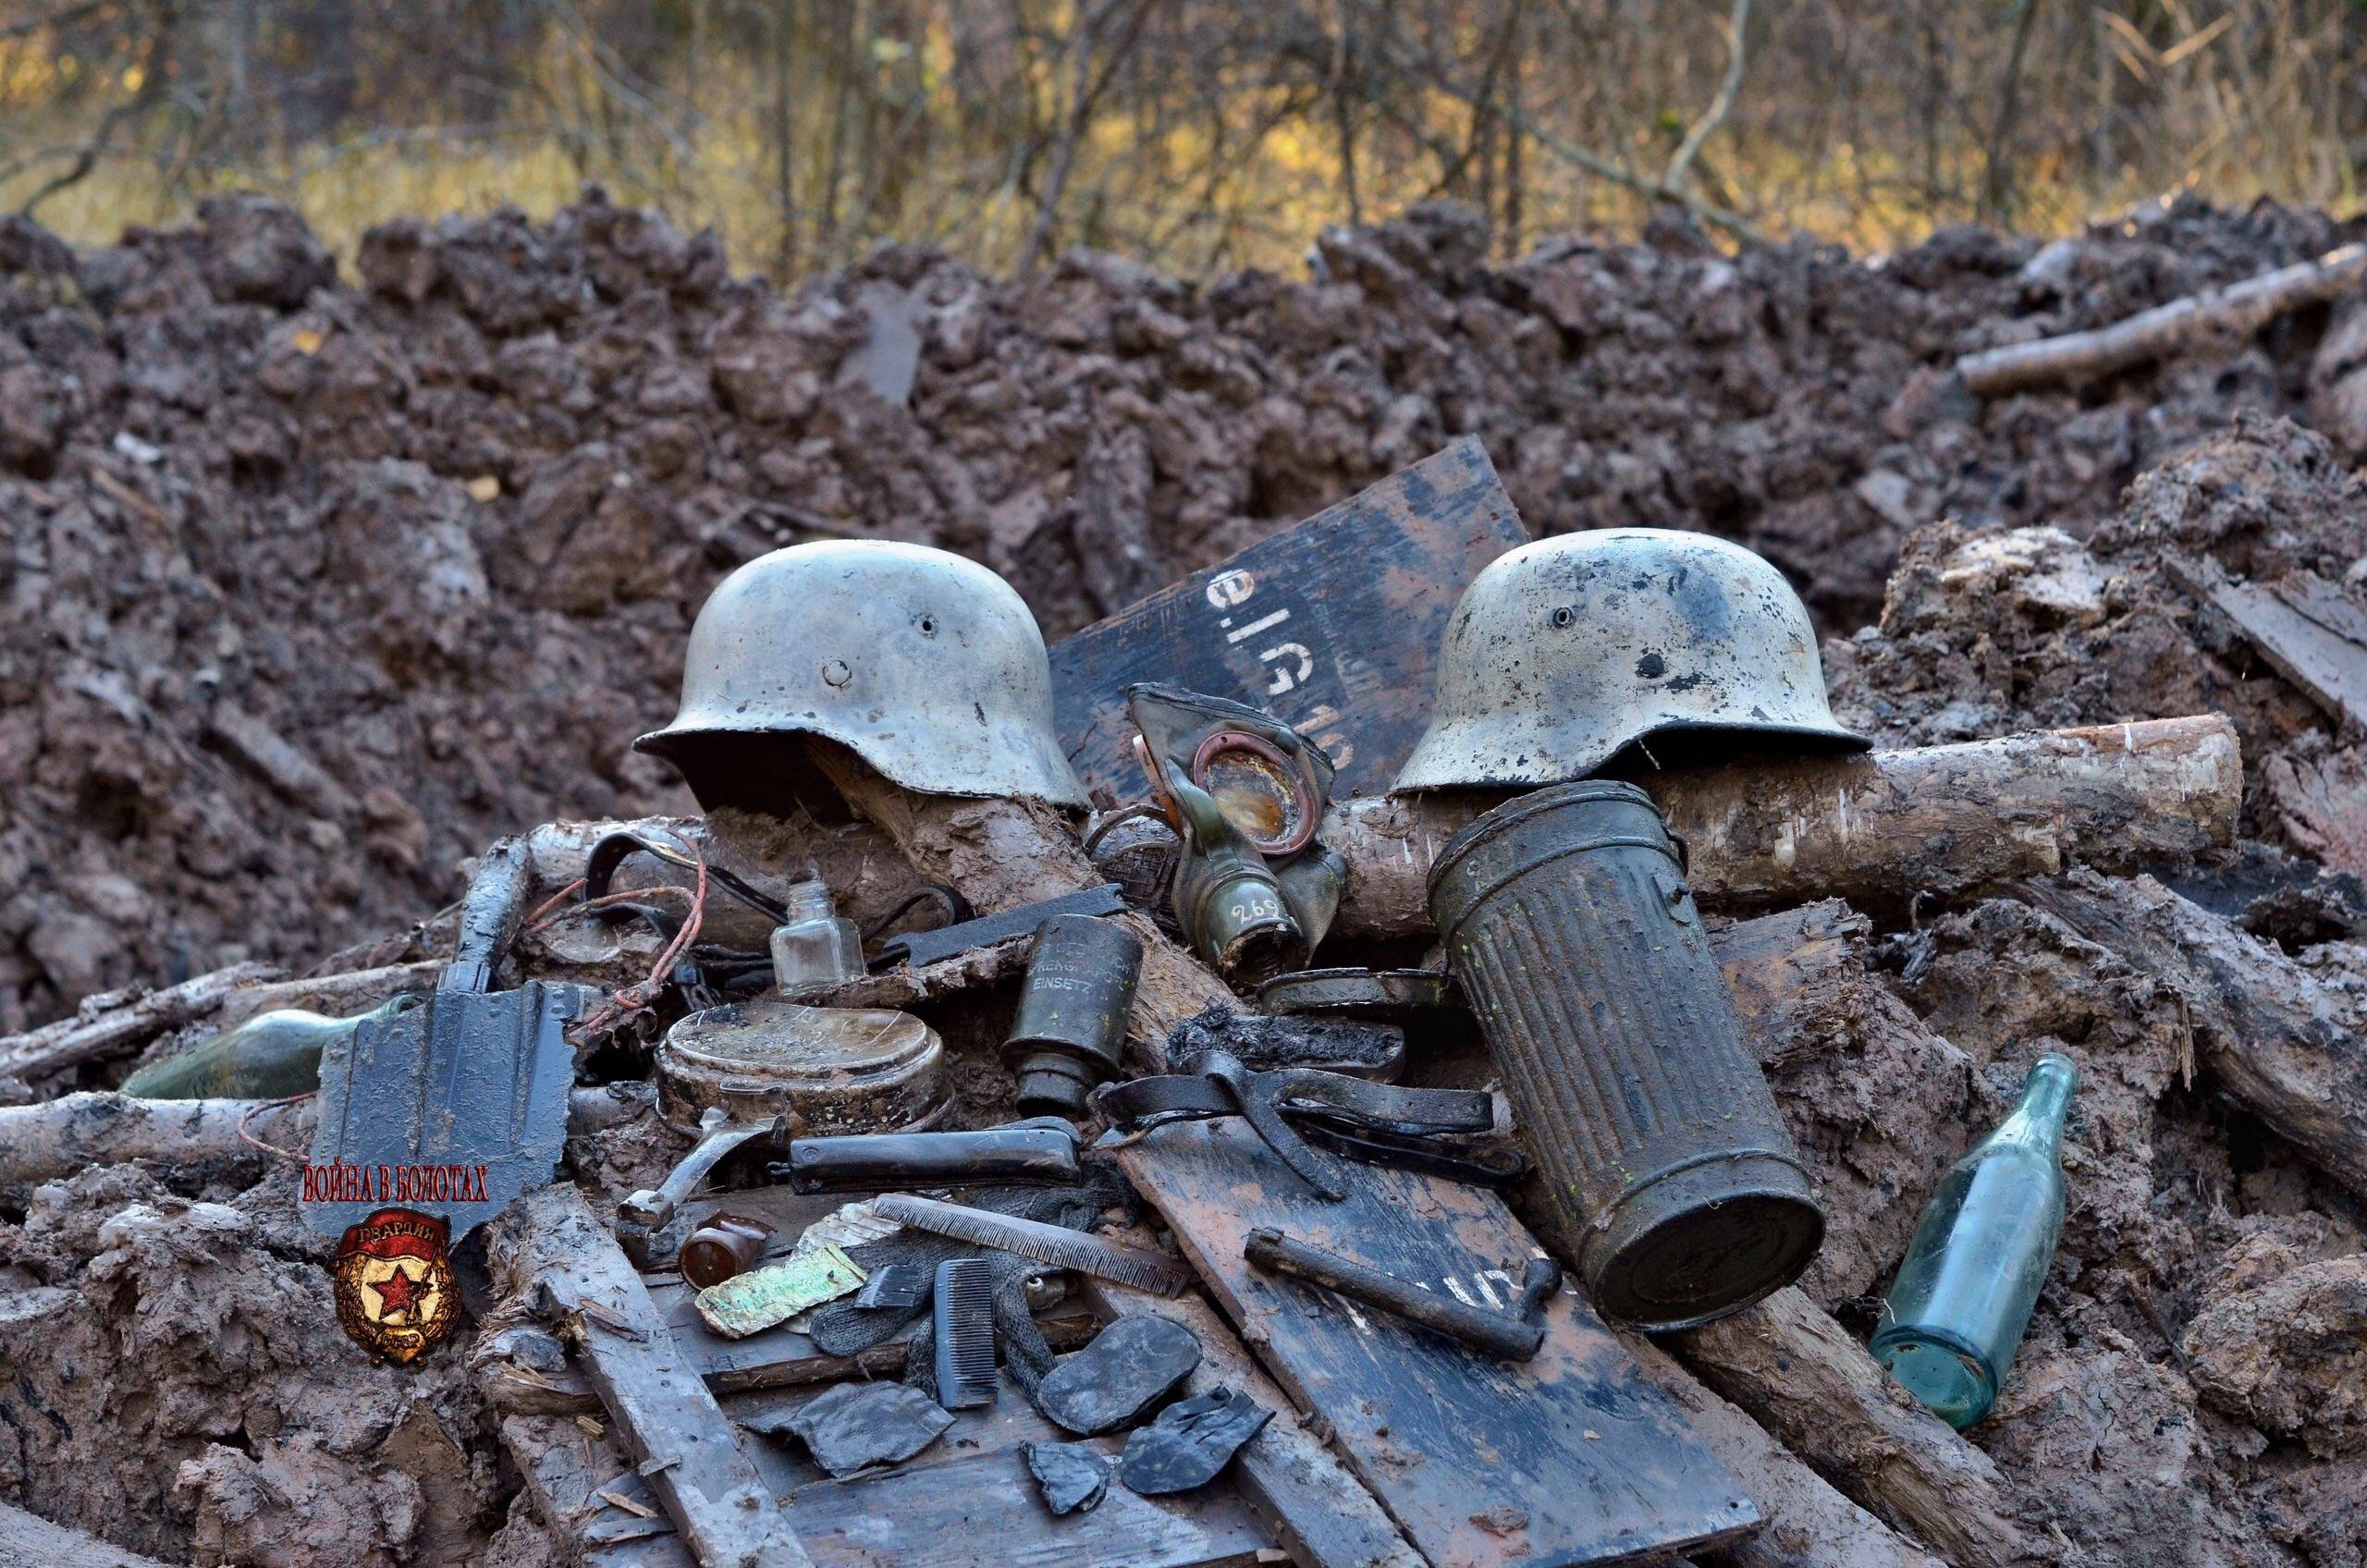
x: 1564, y: 653
x: 926, y: 665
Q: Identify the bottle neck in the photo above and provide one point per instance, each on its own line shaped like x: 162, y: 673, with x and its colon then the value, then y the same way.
x: 2038, y: 1121
x: 809, y: 900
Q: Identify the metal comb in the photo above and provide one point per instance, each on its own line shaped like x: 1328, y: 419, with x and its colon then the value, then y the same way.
x: 1055, y: 1244
x: 965, y: 1334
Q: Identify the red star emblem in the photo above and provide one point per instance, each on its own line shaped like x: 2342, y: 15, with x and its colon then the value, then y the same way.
x: 398, y: 1292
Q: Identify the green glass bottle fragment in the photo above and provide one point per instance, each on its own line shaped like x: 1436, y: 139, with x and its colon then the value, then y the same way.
x: 270, y: 1056
x: 1963, y: 1297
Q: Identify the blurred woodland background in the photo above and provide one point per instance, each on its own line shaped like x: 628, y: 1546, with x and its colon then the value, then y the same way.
x: 1193, y: 134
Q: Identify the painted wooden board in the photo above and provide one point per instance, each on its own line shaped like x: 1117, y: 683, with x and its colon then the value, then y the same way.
x: 1573, y: 1458
x: 1333, y: 627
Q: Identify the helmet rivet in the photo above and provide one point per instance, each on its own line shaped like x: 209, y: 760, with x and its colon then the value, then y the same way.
x: 836, y: 673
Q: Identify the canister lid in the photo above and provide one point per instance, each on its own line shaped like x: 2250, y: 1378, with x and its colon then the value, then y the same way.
x: 793, y: 1046
x: 1704, y: 1240
x: 1527, y: 831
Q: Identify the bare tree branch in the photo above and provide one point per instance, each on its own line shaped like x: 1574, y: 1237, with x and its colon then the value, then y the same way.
x: 1716, y: 114
x: 1594, y: 164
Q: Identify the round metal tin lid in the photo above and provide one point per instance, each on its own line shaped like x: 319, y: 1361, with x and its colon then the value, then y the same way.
x: 789, y: 1042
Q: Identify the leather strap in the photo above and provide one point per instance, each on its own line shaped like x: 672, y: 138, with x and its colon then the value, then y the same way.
x: 1363, y: 1118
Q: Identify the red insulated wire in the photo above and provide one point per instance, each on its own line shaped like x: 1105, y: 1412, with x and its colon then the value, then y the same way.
x: 254, y: 1111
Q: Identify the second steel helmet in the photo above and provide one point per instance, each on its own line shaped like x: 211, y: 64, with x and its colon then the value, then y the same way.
x: 926, y: 665
x: 1563, y: 653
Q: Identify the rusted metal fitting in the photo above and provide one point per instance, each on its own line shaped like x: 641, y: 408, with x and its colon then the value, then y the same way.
x: 726, y: 1246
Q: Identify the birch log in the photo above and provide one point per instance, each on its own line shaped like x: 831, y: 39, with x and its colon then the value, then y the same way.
x: 40, y: 1143
x: 1875, y: 829
x: 56, y: 1138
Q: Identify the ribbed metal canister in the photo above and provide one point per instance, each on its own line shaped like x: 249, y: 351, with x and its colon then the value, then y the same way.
x: 1568, y: 920
x: 1073, y: 1012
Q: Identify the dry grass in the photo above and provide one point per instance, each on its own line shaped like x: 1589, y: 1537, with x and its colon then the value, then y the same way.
x: 1193, y: 134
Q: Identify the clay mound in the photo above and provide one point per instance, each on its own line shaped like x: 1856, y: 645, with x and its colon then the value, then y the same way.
x: 313, y: 588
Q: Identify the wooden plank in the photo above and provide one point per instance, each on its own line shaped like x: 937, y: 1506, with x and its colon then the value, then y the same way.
x: 565, y: 1469
x: 966, y: 1502
x: 669, y: 1422
x: 1569, y: 1459
x: 1321, y: 1515
x: 1332, y: 626
x: 2306, y: 629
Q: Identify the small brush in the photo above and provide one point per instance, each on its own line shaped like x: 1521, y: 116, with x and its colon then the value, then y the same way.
x: 893, y: 1287
x: 965, y: 1334
x: 1055, y: 1244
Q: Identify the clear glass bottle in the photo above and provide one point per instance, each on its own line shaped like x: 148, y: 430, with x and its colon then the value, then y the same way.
x: 817, y: 949
x: 1963, y: 1297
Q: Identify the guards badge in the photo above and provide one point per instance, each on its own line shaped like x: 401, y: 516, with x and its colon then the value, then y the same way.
x: 396, y: 1293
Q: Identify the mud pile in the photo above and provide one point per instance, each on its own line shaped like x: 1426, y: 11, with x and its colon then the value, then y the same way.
x: 2189, y: 1392
x: 312, y: 587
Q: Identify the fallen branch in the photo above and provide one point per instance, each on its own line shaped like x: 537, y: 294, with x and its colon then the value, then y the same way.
x: 57, y: 1138
x: 1810, y: 1383
x: 2157, y: 334
x: 99, y: 1032
x: 1876, y: 828
x: 333, y: 996
x: 2287, y: 1045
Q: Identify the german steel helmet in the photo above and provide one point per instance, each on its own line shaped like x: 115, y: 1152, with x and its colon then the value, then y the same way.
x: 926, y: 666
x: 1565, y: 653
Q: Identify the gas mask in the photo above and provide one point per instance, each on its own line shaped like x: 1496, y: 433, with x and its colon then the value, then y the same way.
x: 1254, y: 893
